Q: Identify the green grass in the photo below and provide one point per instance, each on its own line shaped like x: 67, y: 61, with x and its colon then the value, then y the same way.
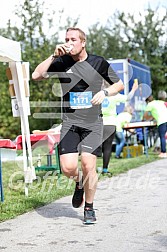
x: 118, y: 166
x: 48, y: 186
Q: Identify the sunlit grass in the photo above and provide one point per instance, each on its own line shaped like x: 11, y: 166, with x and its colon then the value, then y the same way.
x: 49, y: 186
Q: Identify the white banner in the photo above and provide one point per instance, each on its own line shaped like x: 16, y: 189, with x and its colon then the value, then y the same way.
x: 15, y: 107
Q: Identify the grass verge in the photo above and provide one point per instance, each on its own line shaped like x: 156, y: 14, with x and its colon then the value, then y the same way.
x: 49, y: 186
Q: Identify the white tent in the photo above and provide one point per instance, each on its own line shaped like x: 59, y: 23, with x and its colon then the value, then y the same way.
x: 10, y: 51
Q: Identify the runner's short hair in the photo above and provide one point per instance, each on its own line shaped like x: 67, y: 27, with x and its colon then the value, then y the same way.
x: 82, y: 34
x: 149, y: 99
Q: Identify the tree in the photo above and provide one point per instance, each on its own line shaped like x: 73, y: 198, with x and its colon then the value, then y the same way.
x: 145, y: 38
x: 106, y: 40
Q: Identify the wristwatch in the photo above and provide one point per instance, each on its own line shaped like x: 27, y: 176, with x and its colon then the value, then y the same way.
x: 105, y: 92
x: 54, y: 56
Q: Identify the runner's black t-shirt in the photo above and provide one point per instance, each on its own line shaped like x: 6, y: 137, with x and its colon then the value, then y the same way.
x: 85, y: 76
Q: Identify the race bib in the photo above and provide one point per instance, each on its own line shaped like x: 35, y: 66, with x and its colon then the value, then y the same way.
x: 80, y: 100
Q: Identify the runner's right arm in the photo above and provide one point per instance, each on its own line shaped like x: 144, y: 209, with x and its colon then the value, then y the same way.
x: 41, y: 70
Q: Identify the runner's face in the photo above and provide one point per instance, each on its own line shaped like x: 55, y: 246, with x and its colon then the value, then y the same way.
x: 72, y: 38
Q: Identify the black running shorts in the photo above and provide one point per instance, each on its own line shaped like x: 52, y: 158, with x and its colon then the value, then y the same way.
x: 80, y: 136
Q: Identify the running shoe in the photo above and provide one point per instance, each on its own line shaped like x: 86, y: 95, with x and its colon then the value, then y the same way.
x: 118, y: 157
x: 106, y: 172
x: 89, y: 216
x: 162, y: 155
x: 77, y: 198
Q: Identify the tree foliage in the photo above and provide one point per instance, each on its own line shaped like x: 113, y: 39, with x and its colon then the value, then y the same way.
x: 147, y: 41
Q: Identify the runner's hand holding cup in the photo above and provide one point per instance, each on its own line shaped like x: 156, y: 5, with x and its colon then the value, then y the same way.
x: 62, y: 49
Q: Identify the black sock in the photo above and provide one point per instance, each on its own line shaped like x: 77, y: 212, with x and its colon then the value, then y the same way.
x: 88, y: 205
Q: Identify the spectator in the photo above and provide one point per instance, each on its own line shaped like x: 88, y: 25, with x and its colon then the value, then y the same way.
x: 121, y: 119
x: 156, y: 109
x: 109, y: 122
x: 162, y: 95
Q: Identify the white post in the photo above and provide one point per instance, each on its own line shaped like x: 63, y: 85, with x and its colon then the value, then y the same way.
x: 23, y: 105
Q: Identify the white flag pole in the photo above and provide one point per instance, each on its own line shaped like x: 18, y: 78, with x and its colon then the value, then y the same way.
x: 19, y: 86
